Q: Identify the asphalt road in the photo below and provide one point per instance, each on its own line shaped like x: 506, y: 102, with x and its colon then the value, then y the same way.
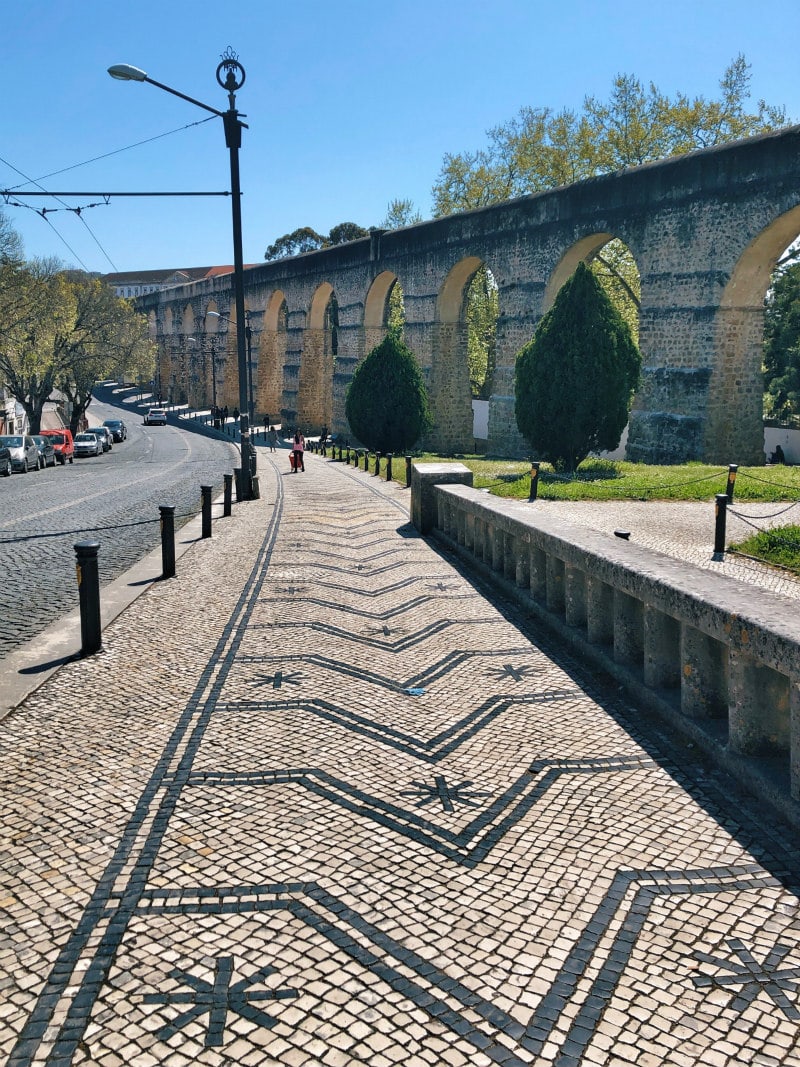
x: 113, y: 499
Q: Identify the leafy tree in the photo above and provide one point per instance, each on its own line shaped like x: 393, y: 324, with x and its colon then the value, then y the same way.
x: 293, y: 244
x: 400, y: 213
x: 346, y: 231
x: 482, y: 310
x: 575, y: 380
x: 782, y: 344
x: 540, y: 149
x: 387, y: 403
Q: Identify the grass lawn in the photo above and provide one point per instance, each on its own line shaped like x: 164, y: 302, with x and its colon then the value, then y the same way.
x: 598, y: 479
x: 780, y: 547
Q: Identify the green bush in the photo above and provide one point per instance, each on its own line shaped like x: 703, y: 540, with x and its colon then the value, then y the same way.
x: 387, y: 403
x: 575, y: 380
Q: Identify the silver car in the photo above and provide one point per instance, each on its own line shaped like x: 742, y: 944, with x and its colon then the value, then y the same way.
x: 24, y: 453
x: 88, y: 444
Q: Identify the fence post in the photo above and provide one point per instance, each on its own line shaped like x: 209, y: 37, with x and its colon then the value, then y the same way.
x: 226, y: 499
x: 408, y: 472
x: 389, y: 467
x: 377, y: 464
x: 719, y: 526
x: 366, y: 459
x: 237, y: 481
x: 205, y: 494
x: 167, y: 540
x: 89, y: 596
x: 732, y: 469
x: 534, y: 482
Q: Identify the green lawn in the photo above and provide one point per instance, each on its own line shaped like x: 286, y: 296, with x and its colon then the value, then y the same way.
x: 617, y: 480
x: 780, y: 547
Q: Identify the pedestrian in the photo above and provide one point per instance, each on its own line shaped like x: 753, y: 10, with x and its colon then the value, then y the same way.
x: 235, y: 414
x: 272, y: 437
x: 266, y: 423
x: 298, y: 448
x: 225, y: 414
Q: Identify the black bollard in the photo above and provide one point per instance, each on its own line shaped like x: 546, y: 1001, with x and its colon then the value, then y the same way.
x: 377, y: 464
x: 89, y: 596
x: 732, y: 469
x: 534, y: 482
x: 408, y: 472
x: 167, y: 540
x: 227, y: 492
x: 237, y: 481
x: 389, y: 467
x: 205, y: 495
x: 719, y: 526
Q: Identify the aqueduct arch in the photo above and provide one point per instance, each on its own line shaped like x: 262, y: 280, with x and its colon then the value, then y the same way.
x: 704, y: 228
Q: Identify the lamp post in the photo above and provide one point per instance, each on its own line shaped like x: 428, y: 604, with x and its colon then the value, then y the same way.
x: 248, y: 333
x: 230, y: 76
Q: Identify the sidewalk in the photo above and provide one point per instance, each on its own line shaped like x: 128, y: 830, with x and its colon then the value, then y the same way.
x: 323, y: 800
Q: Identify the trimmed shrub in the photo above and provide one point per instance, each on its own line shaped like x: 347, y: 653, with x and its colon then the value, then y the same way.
x: 575, y: 380
x: 387, y: 403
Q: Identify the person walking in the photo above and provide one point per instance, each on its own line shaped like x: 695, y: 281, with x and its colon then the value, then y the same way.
x: 298, y: 448
x: 272, y: 437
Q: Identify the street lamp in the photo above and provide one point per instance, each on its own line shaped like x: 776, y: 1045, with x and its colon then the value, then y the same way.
x: 230, y: 76
x: 248, y: 333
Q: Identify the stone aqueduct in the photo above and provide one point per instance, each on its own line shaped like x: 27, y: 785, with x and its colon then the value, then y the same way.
x: 706, y: 230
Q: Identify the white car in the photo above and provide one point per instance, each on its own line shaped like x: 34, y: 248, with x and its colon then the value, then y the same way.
x: 156, y: 417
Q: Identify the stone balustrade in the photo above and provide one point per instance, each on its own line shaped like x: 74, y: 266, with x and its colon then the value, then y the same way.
x: 719, y: 658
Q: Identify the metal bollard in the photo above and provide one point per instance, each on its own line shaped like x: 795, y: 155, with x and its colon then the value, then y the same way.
x: 237, y: 481
x: 719, y: 526
x: 227, y: 493
x: 389, y: 467
x: 205, y: 495
x: 377, y: 464
x: 408, y: 472
x: 167, y: 540
x: 348, y: 456
x: 732, y: 469
x: 534, y: 482
x: 89, y: 596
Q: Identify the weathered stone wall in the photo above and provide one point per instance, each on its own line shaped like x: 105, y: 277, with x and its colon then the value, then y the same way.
x: 705, y: 230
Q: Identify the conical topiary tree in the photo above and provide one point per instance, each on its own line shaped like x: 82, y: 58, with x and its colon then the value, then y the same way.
x: 575, y: 380
x: 387, y: 403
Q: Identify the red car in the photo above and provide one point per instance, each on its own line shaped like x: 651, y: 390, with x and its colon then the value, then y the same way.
x: 62, y: 443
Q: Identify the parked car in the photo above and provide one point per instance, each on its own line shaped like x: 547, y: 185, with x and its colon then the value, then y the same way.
x: 62, y: 443
x: 88, y: 444
x: 5, y: 461
x: 156, y: 417
x: 47, y: 453
x: 104, y: 434
x: 118, y: 429
x: 24, y: 453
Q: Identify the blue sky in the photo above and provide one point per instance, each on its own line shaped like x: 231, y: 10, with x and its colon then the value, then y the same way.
x: 349, y: 105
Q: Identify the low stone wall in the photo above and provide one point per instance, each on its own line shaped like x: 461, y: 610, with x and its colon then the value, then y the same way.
x: 718, y: 658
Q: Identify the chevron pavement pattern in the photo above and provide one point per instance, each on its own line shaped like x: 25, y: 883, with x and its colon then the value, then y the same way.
x: 325, y: 799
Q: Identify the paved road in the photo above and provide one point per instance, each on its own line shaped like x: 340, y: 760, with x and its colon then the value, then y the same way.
x: 357, y: 811
x: 113, y: 499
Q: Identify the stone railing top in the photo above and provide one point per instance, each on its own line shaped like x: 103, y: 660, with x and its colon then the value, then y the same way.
x: 755, y: 621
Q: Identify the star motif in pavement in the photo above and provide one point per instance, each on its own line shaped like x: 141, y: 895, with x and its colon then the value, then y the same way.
x: 216, y: 999
x: 508, y: 670
x: 753, y: 977
x: 277, y: 679
x: 448, y: 795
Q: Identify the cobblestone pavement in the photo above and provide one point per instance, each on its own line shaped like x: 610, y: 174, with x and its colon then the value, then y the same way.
x: 323, y: 800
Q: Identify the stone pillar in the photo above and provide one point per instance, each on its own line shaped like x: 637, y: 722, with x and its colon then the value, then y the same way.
x: 424, y: 477
x: 537, y: 569
x: 554, y: 569
x: 662, y: 640
x: 599, y: 611
x: 628, y: 627
x: 794, y: 737
x: 575, y: 596
x: 758, y: 715
x: 704, y: 675
x: 523, y: 575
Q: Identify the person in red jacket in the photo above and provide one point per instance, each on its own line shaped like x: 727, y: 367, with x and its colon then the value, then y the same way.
x: 298, y: 448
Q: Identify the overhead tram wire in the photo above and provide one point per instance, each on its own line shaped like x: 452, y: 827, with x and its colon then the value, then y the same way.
x: 115, y: 152
x: 76, y: 211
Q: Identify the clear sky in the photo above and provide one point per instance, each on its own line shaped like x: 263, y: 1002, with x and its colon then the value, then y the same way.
x: 349, y: 104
